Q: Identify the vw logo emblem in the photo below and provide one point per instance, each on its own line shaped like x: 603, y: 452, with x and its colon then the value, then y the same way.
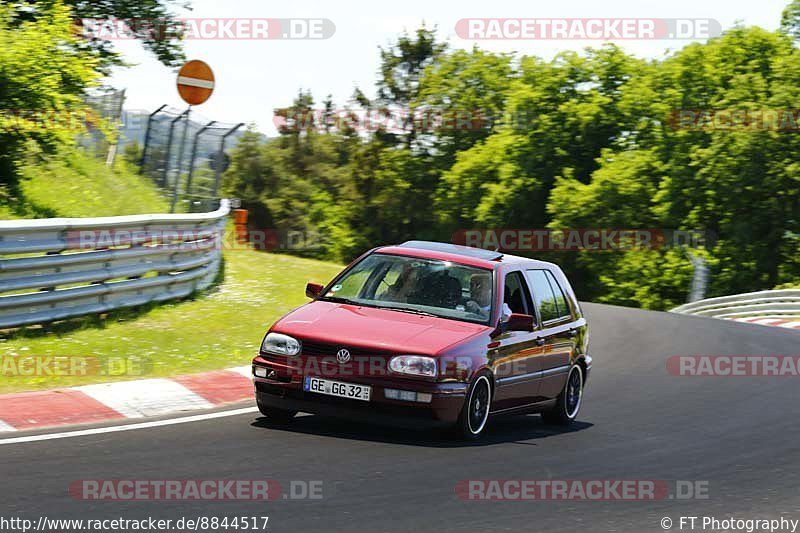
x: 343, y: 355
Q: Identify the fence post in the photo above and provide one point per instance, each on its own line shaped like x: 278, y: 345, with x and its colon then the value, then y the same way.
x: 112, y: 149
x: 220, y: 156
x: 164, y: 176
x: 194, y: 155
x: 181, y: 149
x: 147, y: 135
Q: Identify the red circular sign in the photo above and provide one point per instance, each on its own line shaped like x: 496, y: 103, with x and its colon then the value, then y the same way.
x: 195, y: 82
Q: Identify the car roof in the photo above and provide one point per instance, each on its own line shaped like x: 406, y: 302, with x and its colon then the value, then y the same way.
x: 477, y: 257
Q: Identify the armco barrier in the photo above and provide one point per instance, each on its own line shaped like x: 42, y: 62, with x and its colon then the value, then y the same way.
x: 767, y: 304
x: 57, y: 268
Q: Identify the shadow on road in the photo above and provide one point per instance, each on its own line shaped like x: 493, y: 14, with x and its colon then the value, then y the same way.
x: 522, y: 429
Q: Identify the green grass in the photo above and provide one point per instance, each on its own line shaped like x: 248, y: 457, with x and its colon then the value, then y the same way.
x: 217, y: 330
x: 77, y: 184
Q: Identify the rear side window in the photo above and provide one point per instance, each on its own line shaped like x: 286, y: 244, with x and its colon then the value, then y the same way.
x: 561, y: 301
x: 548, y: 295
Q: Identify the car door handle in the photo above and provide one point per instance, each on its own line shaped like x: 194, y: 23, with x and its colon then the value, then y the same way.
x: 573, y: 332
x: 540, y: 341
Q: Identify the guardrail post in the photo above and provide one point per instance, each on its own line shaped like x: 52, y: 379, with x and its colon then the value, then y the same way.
x: 699, y: 279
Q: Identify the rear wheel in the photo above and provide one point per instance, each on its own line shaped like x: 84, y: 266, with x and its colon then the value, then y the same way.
x: 281, y: 416
x: 569, y: 401
x: 475, y: 412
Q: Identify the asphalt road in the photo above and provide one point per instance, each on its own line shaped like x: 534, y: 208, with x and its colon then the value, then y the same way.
x: 740, y: 435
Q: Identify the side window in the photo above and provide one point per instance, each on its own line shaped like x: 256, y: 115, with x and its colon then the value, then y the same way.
x: 543, y: 295
x: 516, y: 296
x: 561, y: 301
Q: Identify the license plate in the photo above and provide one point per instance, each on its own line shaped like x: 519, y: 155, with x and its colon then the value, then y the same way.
x: 337, y: 388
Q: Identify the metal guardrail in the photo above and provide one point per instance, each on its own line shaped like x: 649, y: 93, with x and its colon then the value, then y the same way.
x: 57, y: 268
x: 767, y: 304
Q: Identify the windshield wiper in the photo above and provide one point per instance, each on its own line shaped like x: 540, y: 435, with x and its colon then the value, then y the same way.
x: 406, y: 310
x: 340, y: 300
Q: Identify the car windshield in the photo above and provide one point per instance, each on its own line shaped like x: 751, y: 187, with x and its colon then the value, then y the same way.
x: 410, y: 284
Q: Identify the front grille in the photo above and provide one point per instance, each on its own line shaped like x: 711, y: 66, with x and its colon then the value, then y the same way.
x: 320, y: 349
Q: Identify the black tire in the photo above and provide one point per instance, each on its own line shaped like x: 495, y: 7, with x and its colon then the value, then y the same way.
x: 475, y: 412
x: 568, y: 405
x: 281, y: 416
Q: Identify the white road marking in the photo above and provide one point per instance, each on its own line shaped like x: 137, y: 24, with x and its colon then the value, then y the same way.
x: 146, y: 397
x: 195, y: 82
x: 766, y: 321
x: 129, y: 427
x: 246, y: 371
x: 793, y: 325
x: 6, y: 427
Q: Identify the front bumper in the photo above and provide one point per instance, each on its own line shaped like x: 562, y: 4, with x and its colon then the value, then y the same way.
x: 285, y: 391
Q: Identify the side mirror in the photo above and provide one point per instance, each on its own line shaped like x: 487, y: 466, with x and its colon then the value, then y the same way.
x: 314, y: 290
x: 518, y: 322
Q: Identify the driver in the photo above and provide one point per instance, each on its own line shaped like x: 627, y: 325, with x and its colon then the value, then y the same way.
x: 405, y: 284
x: 480, y: 302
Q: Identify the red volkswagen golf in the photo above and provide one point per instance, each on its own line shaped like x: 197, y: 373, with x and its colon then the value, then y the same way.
x: 429, y: 334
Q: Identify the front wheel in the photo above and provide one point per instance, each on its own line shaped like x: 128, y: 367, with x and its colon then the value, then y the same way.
x: 565, y: 411
x: 281, y: 416
x: 475, y: 412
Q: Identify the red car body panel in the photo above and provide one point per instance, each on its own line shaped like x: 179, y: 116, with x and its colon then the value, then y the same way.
x: 400, y: 333
x: 524, y: 366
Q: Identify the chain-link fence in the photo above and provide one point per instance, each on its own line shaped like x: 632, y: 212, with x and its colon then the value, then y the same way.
x: 185, y: 154
x: 106, y: 104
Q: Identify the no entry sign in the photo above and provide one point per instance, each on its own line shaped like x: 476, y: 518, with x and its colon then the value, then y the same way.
x: 195, y: 82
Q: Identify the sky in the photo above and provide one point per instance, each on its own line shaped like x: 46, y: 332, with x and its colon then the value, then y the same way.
x: 255, y: 76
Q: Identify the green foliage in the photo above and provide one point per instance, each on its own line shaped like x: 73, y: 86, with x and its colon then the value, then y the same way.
x: 43, y: 74
x: 46, y: 65
x: 790, y: 20
x: 582, y: 141
x: 153, y: 22
x: 70, y: 183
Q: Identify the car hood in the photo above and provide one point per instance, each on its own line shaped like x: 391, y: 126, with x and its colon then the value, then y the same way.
x: 380, y: 329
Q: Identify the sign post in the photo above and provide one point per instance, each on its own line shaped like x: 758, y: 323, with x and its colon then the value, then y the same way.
x: 195, y: 84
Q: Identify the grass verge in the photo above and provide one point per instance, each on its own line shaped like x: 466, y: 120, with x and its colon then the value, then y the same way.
x: 218, y: 330
x: 77, y: 184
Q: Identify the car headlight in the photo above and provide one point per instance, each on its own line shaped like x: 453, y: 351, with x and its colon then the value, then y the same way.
x: 416, y: 365
x: 280, y: 344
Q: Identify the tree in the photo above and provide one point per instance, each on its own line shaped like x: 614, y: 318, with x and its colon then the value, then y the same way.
x: 153, y: 22
x: 461, y: 98
x: 43, y: 75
